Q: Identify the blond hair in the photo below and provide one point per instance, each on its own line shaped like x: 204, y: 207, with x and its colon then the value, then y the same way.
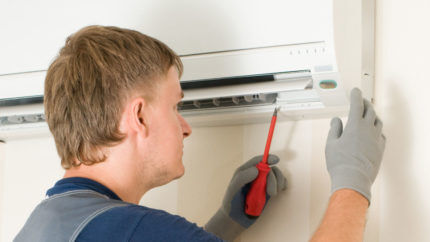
x: 88, y: 82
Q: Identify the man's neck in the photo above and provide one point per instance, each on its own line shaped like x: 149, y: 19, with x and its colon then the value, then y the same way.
x: 119, y: 184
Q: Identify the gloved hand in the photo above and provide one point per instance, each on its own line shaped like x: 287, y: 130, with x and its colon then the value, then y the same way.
x: 353, y: 155
x: 230, y: 220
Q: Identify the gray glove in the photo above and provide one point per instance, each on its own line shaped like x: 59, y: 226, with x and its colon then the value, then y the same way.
x: 230, y: 220
x: 354, y: 155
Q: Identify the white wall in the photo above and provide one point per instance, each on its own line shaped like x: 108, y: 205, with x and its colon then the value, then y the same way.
x: 2, y: 161
x: 214, y: 160
x: 211, y: 156
x: 28, y: 168
x: 402, y: 85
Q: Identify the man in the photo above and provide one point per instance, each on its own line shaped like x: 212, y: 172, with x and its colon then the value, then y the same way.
x: 111, y: 99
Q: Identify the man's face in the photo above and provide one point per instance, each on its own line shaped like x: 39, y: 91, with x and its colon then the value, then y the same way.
x: 167, y: 130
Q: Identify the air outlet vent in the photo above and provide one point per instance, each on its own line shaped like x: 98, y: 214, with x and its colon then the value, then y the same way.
x: 21, y: 119
x: 228, y: 102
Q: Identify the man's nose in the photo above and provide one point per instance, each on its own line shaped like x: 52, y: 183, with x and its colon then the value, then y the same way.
x: 186, y: 128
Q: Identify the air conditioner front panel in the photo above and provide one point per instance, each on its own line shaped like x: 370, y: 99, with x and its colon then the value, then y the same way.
x: 316, y: 57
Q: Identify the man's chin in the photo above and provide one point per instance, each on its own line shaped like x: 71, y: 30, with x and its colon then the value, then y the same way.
x: 180, y: 173
x: 167, y: 177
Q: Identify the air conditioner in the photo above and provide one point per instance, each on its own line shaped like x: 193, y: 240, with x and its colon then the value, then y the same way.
x: 21, y: 105
x: 244, y: 86
x: 238, y: 65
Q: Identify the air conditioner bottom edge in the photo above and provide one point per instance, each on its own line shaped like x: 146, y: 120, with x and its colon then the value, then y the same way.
x: 263, y: 114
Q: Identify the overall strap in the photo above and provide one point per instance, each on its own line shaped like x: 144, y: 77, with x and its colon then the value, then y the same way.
x: 63, y: 216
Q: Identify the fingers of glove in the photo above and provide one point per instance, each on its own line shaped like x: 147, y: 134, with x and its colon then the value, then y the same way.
x: 357, y: 104
x: 378, y: 126
x: 271, y: 185
x: 271, y: 159
x: 243, y: 177
x: 370, y: 114
x: 336, y: 128
x: 281, y: 181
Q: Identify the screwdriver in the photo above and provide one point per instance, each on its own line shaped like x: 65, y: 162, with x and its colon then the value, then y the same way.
x: 256, y: 196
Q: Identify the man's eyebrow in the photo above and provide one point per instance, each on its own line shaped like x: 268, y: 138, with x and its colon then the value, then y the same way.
x: 182, y: 94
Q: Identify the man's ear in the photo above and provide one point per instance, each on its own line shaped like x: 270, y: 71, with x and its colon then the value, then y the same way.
x: 136, y: 112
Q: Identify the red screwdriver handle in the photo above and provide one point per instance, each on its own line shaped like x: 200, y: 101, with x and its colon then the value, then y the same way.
x: 256, y: 197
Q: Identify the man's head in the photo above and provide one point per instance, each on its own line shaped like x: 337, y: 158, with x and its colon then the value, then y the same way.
x: 98, y: 74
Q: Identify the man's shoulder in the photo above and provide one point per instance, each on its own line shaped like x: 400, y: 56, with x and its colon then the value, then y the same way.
x: 121, y: 221
x: 135, y: 211
x: 135, y: 222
